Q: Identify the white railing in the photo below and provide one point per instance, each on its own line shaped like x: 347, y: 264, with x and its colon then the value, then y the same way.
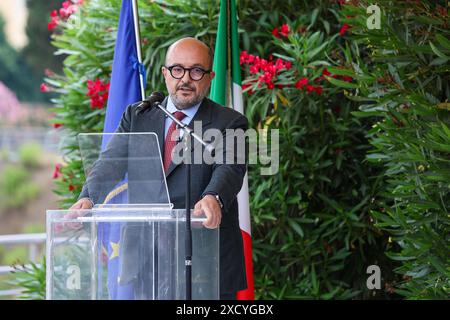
x: 32, y: 240
x: 12, y: 138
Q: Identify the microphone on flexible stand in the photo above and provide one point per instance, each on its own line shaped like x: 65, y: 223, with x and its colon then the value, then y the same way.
x: 149, y: 102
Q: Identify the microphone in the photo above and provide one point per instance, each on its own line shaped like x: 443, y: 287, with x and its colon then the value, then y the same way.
x: 155, y: 97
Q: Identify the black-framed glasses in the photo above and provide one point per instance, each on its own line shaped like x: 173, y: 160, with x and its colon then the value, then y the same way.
x: 195, y: 73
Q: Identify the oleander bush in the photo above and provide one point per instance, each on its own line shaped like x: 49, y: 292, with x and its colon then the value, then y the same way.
x: 403, y: 80
x: 31, y: 279
x: 313, y: 234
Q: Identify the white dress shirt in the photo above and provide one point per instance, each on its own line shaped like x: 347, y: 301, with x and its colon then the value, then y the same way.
x: 189, y: 112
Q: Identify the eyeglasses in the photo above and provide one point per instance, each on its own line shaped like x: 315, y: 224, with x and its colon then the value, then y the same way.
x: 195, y: 73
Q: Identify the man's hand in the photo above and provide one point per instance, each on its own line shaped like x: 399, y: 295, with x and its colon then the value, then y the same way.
x: 73, y: 213
x: 211, y: 208
x: 83, y: 203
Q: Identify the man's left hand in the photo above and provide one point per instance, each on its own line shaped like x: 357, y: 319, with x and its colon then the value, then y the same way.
x: 211, y: 208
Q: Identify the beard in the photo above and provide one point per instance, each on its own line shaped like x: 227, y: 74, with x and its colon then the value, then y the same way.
x: 183, y: 102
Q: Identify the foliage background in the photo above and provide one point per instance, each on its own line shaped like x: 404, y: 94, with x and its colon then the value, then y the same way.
x: 405, y: 84
x: 22, y: 70
x: 351, y: 191
x: 13, y: 69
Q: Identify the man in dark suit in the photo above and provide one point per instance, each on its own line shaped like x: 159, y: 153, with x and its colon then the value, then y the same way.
x: 188, y: 76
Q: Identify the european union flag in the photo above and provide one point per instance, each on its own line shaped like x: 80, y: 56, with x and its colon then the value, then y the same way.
x: 125, y: 88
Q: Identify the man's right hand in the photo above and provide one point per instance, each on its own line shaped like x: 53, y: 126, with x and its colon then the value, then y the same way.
x: 83, y: 203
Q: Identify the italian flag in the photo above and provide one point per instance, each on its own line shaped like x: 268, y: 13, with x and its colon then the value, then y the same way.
x: 226, y: 90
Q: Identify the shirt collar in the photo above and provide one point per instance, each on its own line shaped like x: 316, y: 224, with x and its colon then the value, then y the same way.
x: 189, y: 112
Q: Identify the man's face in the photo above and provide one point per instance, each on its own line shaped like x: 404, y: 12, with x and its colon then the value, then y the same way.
x: 186, y: 92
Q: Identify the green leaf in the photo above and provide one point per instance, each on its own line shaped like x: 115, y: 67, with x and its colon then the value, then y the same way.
x: 311, y: 54
x: 297, y: 228
x: 443, y: 41
x: 342, y: 72
x: 313, y: 17
x: 365, y: 114
x: 326, y: 25
x: 398, y: 257
x: 439, y: 267
x: 343, y: 84
x: 438, y: 61
x: 377, y: 156
x: 438, y: 52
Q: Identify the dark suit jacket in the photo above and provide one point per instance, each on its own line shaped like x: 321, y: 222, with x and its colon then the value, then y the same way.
x: 223, y: 179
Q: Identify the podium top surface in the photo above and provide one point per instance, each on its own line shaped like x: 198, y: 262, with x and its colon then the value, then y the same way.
x: 122, y: 212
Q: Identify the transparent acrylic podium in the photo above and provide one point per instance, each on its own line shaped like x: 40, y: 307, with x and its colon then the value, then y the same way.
x: 128, y: 253
x: 131, y: 245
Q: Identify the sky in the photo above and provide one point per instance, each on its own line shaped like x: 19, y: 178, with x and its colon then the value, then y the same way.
x: 15, y: 15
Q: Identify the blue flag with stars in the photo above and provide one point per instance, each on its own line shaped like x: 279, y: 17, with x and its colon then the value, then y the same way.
x: 125, y: 88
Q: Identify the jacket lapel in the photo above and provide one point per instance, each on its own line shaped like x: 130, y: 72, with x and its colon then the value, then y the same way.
x: 204, y: 115
x: 157, y: 118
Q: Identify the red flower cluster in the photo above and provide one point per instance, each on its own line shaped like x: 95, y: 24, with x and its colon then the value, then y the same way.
x: 268, y: 68
x: 303, y: 83
x: 282, y: 31
x: 326, y: 73
x: 44, y: 88
x: 98, y: 92
x: 57, y: 125
x: 347, y: 78
x: 245, y: 86
x: 344, y: 29
x: 442, y: 11
x: 55, y: 20
x: 68, y: 8
x: 57, y: 172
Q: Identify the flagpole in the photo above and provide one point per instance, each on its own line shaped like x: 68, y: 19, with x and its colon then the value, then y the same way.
x: 229, y: 80
x: 137, y: 35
